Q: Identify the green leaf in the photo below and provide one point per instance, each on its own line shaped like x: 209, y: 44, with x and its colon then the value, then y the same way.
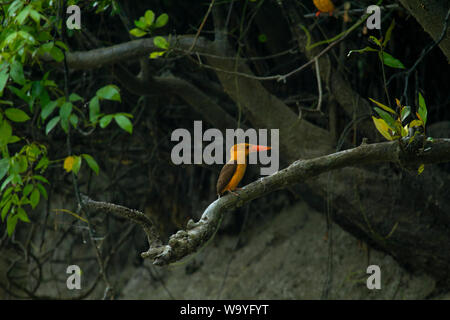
x: 382, y: 127
x: 149, y: 17
x: 6, y: 208
x: 16, y: 115
x: 51, y: 124
x: 42, y: 190
x: 390, y: 61
x: 34, y: 198
x: 137, y: 32
x: 387, y: 118
x: 48, y: 109
x: 62, y: 45
x: 4, y: 75
x: 104, y: 121
x: 109, y: 92
x: 22, y: 215
x: 140, y: 23
x: 23, y: 15
x: 20, y: 94
x: 6, y: 182
x: 11, y: 224
x: 94, y: 109
x: 57, y: 54
x: 14, y: 139
x: 66, y: 110
x: 423, y: 109
x: 420, y: 169
x: 73, y: 120
x: 156, y: 54
x: 5, y: 132
x: 91, y: 163
x: 160, y: 42
x: 43, y: 163
x: 27, y: 189
x: 9, y: 103
x: 74, y: 97
x: 124, y: 123
x: 76, y: 164
x: 406, y: 111
x: 375, y: 40
x: 383, y: 106
x: 17, y: 73
x: 47, y: 47
x: 262, y: 38
x: 4, y: 167
x: 40, y: 178
x: 64, y: 113
x: 35, y: 16
x: 161, y: 21
x: 388, y: 34
x: 23, y: 164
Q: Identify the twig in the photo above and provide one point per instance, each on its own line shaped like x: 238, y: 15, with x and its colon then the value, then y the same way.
x: 201, y: 26
x: 319, y: 84
x: 424, y: 52
x: 342, y: 12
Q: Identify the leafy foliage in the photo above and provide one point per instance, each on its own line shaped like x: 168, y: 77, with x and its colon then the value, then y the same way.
x: 381, y: 44
x: 392, y: 128
x: 30, y: 97
x: 147, y: 25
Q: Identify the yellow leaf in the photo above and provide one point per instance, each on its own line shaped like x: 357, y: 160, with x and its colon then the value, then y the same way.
x: 383, y: 106
x: 415, y: 123
x: 405, y: 131
x: 420, y: 170
x: 398, y: 103
x: 382, y: 127
x: 68, y: 163
x: 418, y: 116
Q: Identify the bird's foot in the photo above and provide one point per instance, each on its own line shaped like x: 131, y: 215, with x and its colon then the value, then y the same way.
x: 237, y: 189
x: 318, y: 13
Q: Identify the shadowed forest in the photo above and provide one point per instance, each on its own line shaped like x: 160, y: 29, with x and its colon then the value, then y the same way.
x: 92, y: 91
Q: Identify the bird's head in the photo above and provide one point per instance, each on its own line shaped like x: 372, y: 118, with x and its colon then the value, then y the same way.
x: 241, y: 150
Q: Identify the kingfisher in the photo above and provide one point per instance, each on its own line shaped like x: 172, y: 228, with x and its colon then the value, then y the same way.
x: 233, y: 171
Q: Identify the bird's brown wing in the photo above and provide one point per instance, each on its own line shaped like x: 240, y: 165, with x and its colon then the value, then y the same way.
x: 225, y: 176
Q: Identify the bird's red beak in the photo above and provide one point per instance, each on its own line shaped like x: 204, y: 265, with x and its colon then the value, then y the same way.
x: 255, y: 148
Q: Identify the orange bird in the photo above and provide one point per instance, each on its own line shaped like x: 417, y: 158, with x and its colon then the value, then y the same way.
x: 233, y: 171
x: 324, y: 6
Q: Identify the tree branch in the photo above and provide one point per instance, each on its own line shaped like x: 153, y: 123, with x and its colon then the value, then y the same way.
x: 130, y: 50
x: 188, y: 241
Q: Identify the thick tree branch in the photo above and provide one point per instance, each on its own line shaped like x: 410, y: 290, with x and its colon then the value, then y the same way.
x: 207, y: 108
x: 430, y: 14
x: 196, y: 235
x: 126, y: 51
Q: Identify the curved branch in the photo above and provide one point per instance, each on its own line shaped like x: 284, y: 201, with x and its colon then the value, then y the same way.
x: 134, y: 215
x: 133, y: 49
x: 193, y: 96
